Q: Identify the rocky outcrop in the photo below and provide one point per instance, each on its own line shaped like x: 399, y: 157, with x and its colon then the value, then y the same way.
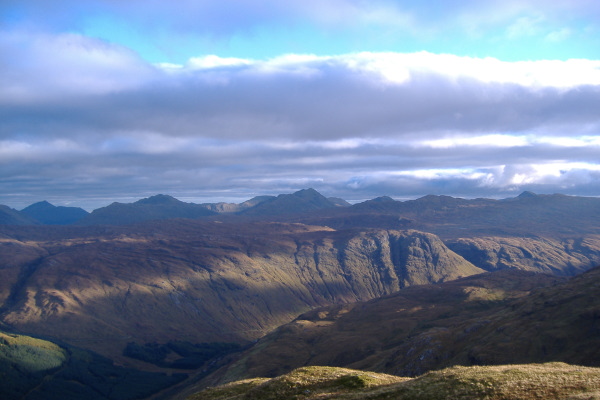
x: 567, y: 256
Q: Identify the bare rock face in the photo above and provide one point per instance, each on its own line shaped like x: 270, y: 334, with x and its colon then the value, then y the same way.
x: 566, y: 256
x: 204, y: 281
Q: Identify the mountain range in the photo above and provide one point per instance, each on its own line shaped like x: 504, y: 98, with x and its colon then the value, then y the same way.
x: 527, y: 214
x: 400, y: 287
x: 161, y: 206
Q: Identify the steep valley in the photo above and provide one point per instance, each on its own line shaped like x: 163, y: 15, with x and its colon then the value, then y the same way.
x: 202, y: 281
x: 359, y: 277
x: 502, y: 317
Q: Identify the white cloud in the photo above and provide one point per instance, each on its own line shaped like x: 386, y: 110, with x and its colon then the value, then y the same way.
x: 44, y: 67
x: 213, y: 61
x: 382, y: 123
x: 496, y: 140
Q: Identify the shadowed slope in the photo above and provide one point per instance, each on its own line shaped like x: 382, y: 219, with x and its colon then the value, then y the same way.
x: 34, y: 369
x: 9, y: 216
x: 448, y: 217
x: 495, y: 318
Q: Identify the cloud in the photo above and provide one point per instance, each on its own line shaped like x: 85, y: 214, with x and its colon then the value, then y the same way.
x: 84, y: 118
x: 41, y: 67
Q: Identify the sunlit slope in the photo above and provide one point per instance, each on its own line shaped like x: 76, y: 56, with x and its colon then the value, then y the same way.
x: 516, y: 382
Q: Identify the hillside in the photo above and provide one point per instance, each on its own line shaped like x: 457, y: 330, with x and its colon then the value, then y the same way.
x: 550, y: 381
x: 505, y: 317
x: 159, y: 293
x: 197, y: 281
x: 9, y: 216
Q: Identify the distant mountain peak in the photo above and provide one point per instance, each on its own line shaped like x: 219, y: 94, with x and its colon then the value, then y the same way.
x: 310, y: 192
x: 158, y: 199
x: 49, y: 214
x: 301, y: 201
x: 382, y: 199
x: 527, y: 194
x: 40, y: 205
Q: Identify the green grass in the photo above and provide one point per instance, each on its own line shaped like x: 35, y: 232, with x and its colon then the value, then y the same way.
x: 508, y: 382
x: 36, y: 369
x: 32, y: 355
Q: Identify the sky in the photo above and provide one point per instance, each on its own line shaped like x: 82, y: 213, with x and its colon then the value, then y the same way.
x: 107, y: 100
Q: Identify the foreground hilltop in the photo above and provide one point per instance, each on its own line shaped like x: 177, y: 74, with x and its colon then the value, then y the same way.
x: 550, y: 381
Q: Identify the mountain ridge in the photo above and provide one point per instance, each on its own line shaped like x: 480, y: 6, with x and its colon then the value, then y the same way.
x: 445, y: 214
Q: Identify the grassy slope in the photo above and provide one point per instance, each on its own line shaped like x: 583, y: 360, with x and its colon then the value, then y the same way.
x: 36, y: 369
x: 534, y: 381
x: 24, y: 361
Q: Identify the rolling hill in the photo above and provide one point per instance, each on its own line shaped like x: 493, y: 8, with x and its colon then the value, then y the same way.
x: 550, y: 381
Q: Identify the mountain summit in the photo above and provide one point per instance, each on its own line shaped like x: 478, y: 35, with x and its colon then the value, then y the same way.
x: 156, y: 207
x: 159, y: 199
x: 49, y: 214
x: 298, y: 202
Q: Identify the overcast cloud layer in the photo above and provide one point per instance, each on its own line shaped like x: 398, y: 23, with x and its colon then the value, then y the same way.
x: 88, y: 121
